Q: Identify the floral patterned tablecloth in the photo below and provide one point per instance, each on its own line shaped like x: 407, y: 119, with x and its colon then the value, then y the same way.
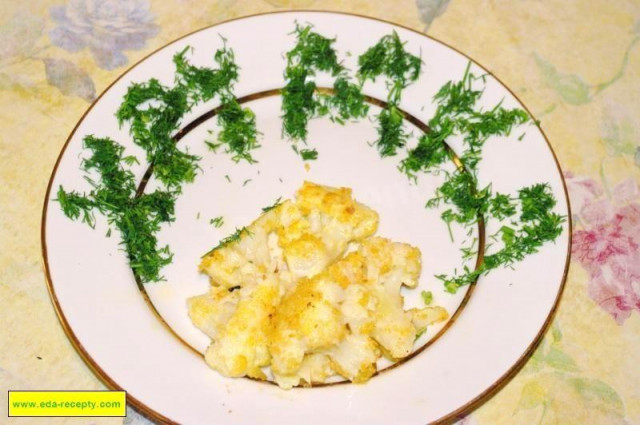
x: 574, y: 63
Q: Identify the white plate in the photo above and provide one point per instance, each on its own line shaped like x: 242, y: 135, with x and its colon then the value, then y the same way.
x: 132, y: 338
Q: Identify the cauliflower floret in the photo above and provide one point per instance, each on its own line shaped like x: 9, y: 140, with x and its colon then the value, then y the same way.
x: 210, y: 312
x: 241, y: 346
x: 242, y: 261
x: 355, y: 358
x: 423, y: 317
x: 304, y: 322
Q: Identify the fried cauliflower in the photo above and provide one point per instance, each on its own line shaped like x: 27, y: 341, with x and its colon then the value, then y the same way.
x: 306, y: 292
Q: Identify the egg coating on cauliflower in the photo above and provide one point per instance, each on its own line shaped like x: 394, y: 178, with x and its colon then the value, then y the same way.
x: 306, y: 292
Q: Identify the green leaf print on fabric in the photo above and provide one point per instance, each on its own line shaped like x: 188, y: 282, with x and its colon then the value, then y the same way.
x: 598, y: 394
x: 570, y: 87
x: 560, y: 361
x: 619, y: 131
x: 533, y: 395
x: 562, y: 393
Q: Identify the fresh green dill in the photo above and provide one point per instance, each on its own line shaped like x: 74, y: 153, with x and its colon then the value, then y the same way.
x: 246, y: 182
x: 457, y: 114
x: 346, y: 102
x: 137, y: 218
x: 217, y: 222
x: 154, y: 113
x: 272, y: 206
x: 460, y: 191
x: 391, y: 131
x: 235, y: 236
x: 314, y: 53
x: 539, y: 225
x: 298, y: 103
x: 427, y: 297
x: 226, y: 176
x: 309, y: 154
x: 238, y: 130
x: 388, y: 58
x: 501, y: 206
x: 213, y: 147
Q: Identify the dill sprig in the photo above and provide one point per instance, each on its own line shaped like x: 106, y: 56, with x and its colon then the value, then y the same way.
x: 539, y: 225
x: 238, y: 132
x: 217, y: 222
x: 347, y: 102
x: 235, y: 236
x: 391, y: 130
x: 272, y: 206
x: 113, y: 195
x: 459, y: 190
x: 308, y: 154
x: 154, y: 112
x: 301, y: 101
x: 457, y: 113
x: 388, y: 58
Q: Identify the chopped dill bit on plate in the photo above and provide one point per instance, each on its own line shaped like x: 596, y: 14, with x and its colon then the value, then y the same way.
x: 430, y: 152
x: 272, y: 206
x: 213, y: 147
x: 460, y: 191
x: 217, y: 222
x: 246, y: 182
x: 229, y: 239
x: 305, y: 154
x: 309, y: 154
x: 501, y: 206
x: 427, y: 297
x: 456, y: 113
x: 346, y: 102
x: 226, y: 176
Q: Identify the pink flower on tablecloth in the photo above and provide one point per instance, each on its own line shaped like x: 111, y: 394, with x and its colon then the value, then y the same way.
x: 596, y: 246
x: 607, y: 242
